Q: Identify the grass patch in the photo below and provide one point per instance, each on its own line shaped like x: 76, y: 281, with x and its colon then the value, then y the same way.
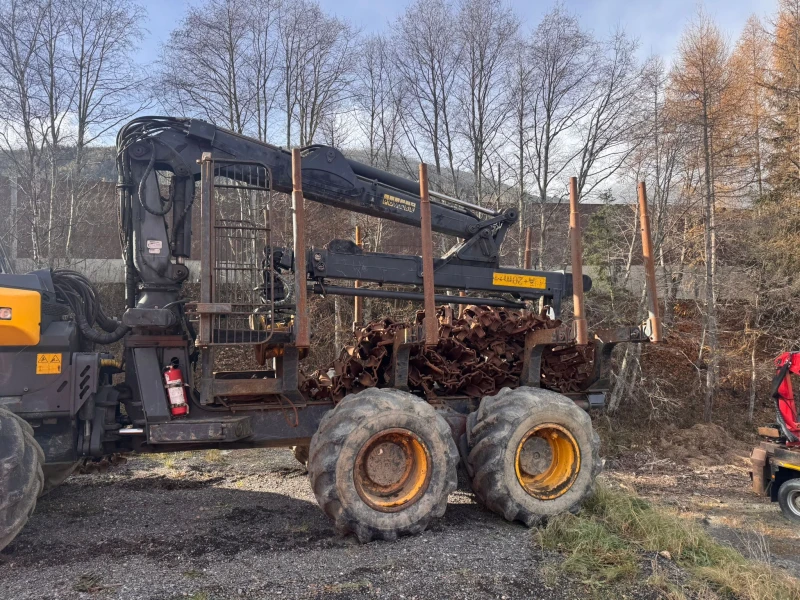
x: 214, y: 455
x: 92, y: 583
x: 348, y: 587
x: 170, y: 460
x: 193, y: 574
x: 605, y: 542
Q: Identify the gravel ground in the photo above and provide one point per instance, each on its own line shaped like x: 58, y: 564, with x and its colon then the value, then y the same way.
x: 245, y: 525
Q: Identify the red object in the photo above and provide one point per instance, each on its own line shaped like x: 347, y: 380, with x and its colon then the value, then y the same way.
x: 178, y: 402
x: 785, y: 394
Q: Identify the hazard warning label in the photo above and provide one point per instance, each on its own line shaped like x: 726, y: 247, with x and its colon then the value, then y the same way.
x: 48, y: 364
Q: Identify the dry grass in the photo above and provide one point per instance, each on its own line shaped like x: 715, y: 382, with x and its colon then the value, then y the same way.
x: 170, y: 460
x: 606, y: 541
x: 214, y: 456
x: 92, y: 583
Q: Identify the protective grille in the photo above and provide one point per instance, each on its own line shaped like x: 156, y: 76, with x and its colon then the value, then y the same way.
x: 240, y: 247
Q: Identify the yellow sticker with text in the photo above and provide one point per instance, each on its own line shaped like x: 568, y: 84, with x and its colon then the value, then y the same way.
x: 519, y: 281
x: 399, y: 203
x: 48, y: 364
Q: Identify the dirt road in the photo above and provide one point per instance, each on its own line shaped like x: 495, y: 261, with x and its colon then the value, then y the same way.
x: 204, y: 526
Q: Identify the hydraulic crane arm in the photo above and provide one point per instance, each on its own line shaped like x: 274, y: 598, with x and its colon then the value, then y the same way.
x: 328, y: 178
x: 152, y: 241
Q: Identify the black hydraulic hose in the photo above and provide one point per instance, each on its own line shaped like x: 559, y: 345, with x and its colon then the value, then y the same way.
x: 166, y: 206
x: 83, y: 299
x: 93, y: 335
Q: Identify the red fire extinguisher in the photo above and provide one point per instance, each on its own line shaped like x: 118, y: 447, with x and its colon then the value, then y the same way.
x: 178, y: 402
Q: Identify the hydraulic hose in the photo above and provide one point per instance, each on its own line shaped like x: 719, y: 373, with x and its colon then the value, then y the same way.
x: 83, y: 299
x: 166, y: 206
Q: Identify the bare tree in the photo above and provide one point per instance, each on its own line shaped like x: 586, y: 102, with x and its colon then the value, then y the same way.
x: 325, y: 72
x: 293, y: 51
x: 607, y: 130
x: 206, y: 67
x: 700, y: 80
x: 563, y: 56
x: 378, y: 100
x: 427, y: 57
x: 750, y: 63
x: 520, y: 89
x: 487, y: 30
x: 265, y: 63
x: 103, y: 35
x: 21, y: 108
x: 660, y: 152
x: 58, y: 95
x: 784, y: 87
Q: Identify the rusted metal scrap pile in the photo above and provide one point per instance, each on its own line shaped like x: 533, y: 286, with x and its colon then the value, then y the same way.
x: 477, y: 354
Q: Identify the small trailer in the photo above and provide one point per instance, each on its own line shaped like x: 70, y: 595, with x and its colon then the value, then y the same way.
x: 776, y: 472
x: 776, y: 460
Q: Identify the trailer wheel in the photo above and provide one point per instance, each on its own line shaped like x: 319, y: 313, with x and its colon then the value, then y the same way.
x: 789, y: 499
x: 382, y: 464
x: 533, y: 454
x: 21, y: 477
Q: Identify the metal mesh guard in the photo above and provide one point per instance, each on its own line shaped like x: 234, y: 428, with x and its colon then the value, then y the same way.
x: 241, y: 230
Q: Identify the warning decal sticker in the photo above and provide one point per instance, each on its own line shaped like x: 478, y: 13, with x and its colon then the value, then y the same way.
x: 518, y: 281
x: 48, y: 364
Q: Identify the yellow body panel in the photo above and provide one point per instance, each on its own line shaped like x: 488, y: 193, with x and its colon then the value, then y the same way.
x: 24, y: 327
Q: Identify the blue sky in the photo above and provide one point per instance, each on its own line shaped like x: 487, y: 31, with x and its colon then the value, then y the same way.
x: 657, y: 24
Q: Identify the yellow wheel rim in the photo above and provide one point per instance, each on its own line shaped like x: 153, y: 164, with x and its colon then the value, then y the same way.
x: 392, y: 470
x: 547, y: 461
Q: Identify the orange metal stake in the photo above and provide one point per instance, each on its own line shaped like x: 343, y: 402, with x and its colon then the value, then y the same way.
x: 649, y: 267
x: 299, y: 230
x: 581, y: 330
x: 528, y: 248
x: 431, y: 325
x: 358, y: 303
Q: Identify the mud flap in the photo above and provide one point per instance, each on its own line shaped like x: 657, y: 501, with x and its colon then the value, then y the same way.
x: 760, y: 471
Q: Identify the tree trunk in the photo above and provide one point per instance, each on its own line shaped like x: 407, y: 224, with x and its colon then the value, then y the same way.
x: 73, y: 194
x: 751, y: 405
x: 542, y: 236
x: 14, y: 226
x: 337, y: 333
x: 521, y: 200
x: 710, y: 251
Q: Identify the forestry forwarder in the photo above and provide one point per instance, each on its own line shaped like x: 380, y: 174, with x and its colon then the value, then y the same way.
x: 382, y: 461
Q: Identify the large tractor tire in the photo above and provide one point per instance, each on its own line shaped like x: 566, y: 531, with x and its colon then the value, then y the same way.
x: 56, y: 474
x: 21, y: 477
x: 382, y: 464
x: 532, y: 454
